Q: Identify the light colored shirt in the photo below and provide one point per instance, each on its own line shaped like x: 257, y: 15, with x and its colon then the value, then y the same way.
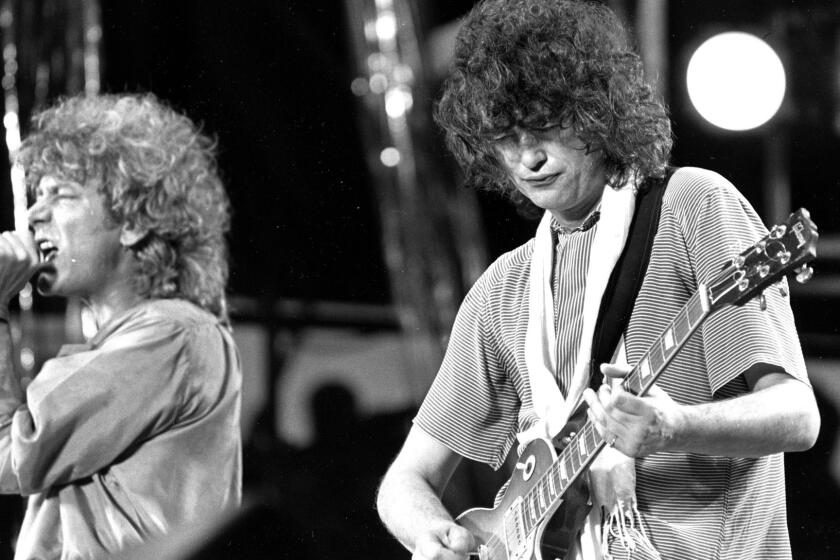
x: 695, y: 507
x: 128, y: 436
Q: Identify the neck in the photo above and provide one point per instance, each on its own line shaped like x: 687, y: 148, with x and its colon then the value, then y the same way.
x: 114, y: 298
x: 574, y: 218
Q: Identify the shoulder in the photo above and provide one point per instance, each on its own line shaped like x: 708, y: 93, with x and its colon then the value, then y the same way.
x: 507, y: 272
x: 157, y: 319
x: 690, y: 186
x: 175, y: 311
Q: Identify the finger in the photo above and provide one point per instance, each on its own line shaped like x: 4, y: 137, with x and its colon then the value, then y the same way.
x: 458, y: 539
x: 427, y: 549
x: 605, y: 394
x: 595, y: 411
x: 22, y: 250
x: 615, y: 371
x: 627, y: 403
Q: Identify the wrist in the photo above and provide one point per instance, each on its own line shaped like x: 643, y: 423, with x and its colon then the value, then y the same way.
x: 681, y: 427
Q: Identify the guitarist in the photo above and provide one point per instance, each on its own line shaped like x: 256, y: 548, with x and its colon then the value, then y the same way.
x: 547, y: 105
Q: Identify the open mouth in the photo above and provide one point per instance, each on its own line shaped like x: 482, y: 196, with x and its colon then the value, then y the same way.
x: 47, y: 250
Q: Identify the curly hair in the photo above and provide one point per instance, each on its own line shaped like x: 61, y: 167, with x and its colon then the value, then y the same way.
x: 536, y: 62
x: 157, y: 173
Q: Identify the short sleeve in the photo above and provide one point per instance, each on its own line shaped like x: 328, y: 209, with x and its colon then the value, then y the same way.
x: 723, y: 224
x: 472, y: 405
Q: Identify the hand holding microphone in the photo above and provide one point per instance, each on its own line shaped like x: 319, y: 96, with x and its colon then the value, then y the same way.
x: 19, y: 261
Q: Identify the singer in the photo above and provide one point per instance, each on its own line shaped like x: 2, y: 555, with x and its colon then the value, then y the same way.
x: 136, y: 432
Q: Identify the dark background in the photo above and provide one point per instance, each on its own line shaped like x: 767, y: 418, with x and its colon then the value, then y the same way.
x: 271, y: 80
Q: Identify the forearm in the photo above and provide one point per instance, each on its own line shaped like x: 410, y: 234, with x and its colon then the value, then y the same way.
x: 776, y: 418
x: 10, y: 399
x: 409, y: 506
x: 11, y: 394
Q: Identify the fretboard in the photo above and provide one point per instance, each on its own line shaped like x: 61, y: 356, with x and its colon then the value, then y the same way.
x: 585, y: 445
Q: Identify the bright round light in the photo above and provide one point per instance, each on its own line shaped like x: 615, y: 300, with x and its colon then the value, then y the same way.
x: 397, y: 102
x: 736, y: 81
x: 390, y: 157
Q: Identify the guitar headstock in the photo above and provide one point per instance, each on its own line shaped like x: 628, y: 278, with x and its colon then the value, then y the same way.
x: 788, y: 247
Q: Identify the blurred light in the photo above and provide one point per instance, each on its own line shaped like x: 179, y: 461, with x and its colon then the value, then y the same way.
x: 397, y: 102
x: 94, y: 33
x: 27, y: 359
x: 377, y: 62
x: 10, y: 120
x: 403, y: 74
x: 370, y: 30
x: 359, y: 86
x: 736, y: 81
x: 386, y: 26
x: 378, y: 83
x: 390, y: 157
x: 19, y: 195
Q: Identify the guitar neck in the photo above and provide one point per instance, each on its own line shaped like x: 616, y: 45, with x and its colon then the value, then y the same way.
x: 584, y: 446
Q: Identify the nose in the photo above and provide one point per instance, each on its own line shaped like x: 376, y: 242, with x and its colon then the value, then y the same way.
x: 37, y: 213
x: 532, y: 153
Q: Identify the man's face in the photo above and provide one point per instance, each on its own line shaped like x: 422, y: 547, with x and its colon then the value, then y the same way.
x: 552, y: 167
x: 76, y: 236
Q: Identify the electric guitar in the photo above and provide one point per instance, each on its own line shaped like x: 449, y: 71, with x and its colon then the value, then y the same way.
x: 545, y: 503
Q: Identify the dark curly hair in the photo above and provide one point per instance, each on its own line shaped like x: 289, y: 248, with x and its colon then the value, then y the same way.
x: 157, y: 173
x: 534, y: 62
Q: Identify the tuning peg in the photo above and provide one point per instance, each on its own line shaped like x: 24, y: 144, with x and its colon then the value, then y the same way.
x: 804, y: 273
x: 783, y: 256
x: 778, y: 231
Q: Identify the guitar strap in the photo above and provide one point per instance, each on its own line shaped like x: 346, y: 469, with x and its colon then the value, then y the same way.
x: 627, y: 275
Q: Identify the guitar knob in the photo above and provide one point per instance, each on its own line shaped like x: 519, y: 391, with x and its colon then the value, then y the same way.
x: 804, y: 273
x: 783, y: 256
x: 778, y: 231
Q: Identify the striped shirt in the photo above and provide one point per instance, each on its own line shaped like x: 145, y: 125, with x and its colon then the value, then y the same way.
x: 694, y: 506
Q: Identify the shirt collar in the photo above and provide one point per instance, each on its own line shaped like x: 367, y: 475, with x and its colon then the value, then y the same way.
x: 587, y: 224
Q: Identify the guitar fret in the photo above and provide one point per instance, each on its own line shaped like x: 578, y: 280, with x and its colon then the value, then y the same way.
x: 682, y: 326
x: 668, y: 339
x: 574, y: 463
x: 644, y: 368
x: 655, y: 356
x: 633, y: 383
x: 552, y: 488
x: 562, y: 471
x: 695, y: 311
x: 543, y: 500
x: 532, y: 509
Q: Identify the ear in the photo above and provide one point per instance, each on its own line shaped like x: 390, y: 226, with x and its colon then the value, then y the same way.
x: 130, y: 235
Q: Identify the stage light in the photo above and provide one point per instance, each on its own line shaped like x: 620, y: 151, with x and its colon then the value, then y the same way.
x: 736, y: 81
x: 397, y: 102
x: 390, y: 157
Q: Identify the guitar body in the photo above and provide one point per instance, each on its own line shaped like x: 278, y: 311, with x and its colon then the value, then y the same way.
x: 502, y: 533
